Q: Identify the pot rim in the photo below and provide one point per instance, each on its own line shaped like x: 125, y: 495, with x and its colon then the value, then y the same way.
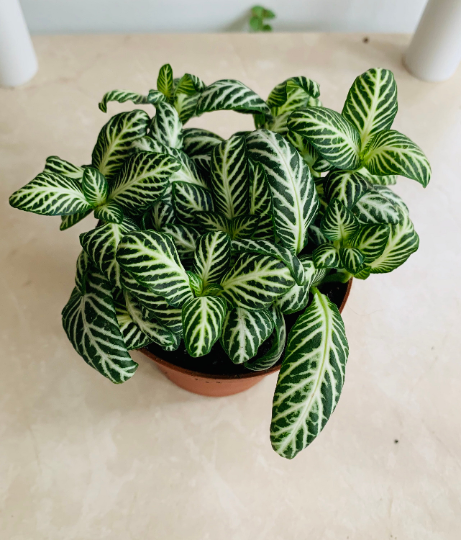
x: 251, y: 374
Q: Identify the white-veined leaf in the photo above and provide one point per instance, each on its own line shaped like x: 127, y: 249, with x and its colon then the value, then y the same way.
x: 110, y: 212
x: 282, y: 92
x: 202, y: 320
x: 160, y: 214
x: 212, y: 257
x: 186, y: 106
x: 278, y: 339
x: 101, y: 246
x: 403, y: 241
x: 151, y: 258
x: 90, y: 323
x: 371, y: 104
x: 56, y: 165
x: 242, y: 227
x: 372, y: 207
x: 345, y: 186
x: 212, y: 221
x: 351, y: 259
x: 94, y: 186
x: 51, y: 194
x: 122, y: 96
x: 316, y: 236
x: 311, y: 378
x: 166, y: 126
x: 388, y: 180
x: 188, y: 171
x: 228, y: 94
x: 165, y: 81
x: 255, y: 281
x: 199, y: 141
x: 149, y: 144
x: 371, y: 241
x: 244, y: 331
x: 392, y: 196
x: 261, y: 202
x: 294, y: 199
x: 83, y: 266
x: 188, y: 199
x: 141, y: 181
x: 115, y: 141
x: 230, y: 177
x: 338, y: 222
x: 325, y: 256
x: 297, y: 297
x: 72, y: 219
x: 391, y: 152
x: 196, y: 283
x: 334, y: 137
x: 185, y: 238
x: 133, y: 337
x: 364, y: 273
x: 305, y: 148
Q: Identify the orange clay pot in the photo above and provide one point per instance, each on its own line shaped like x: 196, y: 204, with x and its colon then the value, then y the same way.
x: 217, y: 385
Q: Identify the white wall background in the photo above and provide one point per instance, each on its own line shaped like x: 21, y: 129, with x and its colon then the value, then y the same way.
x: 85, y: 16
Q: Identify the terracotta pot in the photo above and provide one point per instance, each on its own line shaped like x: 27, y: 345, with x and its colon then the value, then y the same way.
x: 217, y: 385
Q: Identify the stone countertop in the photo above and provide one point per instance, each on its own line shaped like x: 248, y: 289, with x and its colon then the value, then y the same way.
x: 82, y: 459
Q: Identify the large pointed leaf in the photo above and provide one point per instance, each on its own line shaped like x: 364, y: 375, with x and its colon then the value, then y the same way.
x: 202, y: 320
x: 242, y: 227
x: 392, y: 196
x: 228, y: 94
x: 371, y: 104
x: 166, y: 126
x: 345, y: 186
x: 90, y: 323
x: 244, y: 331
x: 334, y: 137
x: 72, y: 219
x: 213, y: 221
x: 122, y: 96
x: 372, y: 207
x: 101, y: 246
x: 56, y: 165
x: 403, y: 241
x: 230, y: 177
x: 94, y: 186
x: 141, y: 181
x: 284, y: 91
x: 152, y: 260
x: 351, y: 259
x: 110, y: 212
x: 371, y: 240
x: 51, y: 194
x: 311, y: 377
x: 165, y: 81
x: 188, y: 199
x: 391, y: 152
x: 187, y: 171
x: 374, y: 179
x: 277, y: 340
x: 255, y: 281
x: 186, y: 106
x: 212, y: 257
x: 338, y: 223
x: 294, y: 199
x: 305, y: 148
x: 115, y: 139
x: 185, y: 238
x: 261, y: 202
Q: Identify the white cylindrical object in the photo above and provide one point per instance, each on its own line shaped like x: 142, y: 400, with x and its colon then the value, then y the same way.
x: 18, y: 63
x: 435, y: 51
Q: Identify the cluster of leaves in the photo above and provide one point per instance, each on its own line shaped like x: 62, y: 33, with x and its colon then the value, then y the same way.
x: 203, y: 239
x: 258, y: 18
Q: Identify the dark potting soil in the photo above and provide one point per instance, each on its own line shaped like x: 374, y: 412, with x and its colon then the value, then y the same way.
x: 216, y: 362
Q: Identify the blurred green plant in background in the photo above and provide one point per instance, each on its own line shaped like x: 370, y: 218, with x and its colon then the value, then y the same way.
x: 258, y: 17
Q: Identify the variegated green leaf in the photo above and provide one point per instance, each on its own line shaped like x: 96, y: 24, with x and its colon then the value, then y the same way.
x: 122, y: 96
x: 255, y: 281
x: 261, y: 202
x: 326, y: 256
x: 199, y: 141
x: 229, y: 94
x: 213, y: 289
x: 403, y: 241
x: 90, y: 323
x: 149, y: 144
x: 115, y: 141
x: 371, y: 240
x: 152, y: 260
x: 297, y: 297
x: 277, y: 340
x: 388, y: 180
x: 371, y: 104
x: 188, y: 171
x: 101, y: 246
x: 242, y: 227
x: 305, y: 148
x: 316, y: 236
x: 294, y: 199
x: 372, y: 207
x: 153, y: 306
x: 196, y: 283
x: 311, y: 377
x: 185, y: 238
x: 392, y: 196
x: 166, y: 126
x: 133, y: 337
x: 83, y: 266
x: 334, y: 137
x: 230, y: 177
x: 212, y: 221
x: 142, y: 180
x: 282, y: 92
x: 351, y: 259
x: 391, y: 152
x: 56, y: 165
x: 165, y: 81
x: 188, y: 199
x: 265, y: 247
x: 345, y: 186
x: 364, y: 273
x: 186, y: 106
x: 202, y: 320
x: 189, y: 85
x: 72, y: 219
x: 159, y: 215
x: 94, y: 186
x: 110, y: 212
x: 243, y: 332
x: 51, y: 194
x: 212, y: 257
x: 338, y: 222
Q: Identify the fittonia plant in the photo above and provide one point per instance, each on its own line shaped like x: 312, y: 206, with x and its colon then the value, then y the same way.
x: 204, y: 239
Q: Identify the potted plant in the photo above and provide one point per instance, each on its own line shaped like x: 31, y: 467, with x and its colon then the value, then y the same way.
x: 240, y: 249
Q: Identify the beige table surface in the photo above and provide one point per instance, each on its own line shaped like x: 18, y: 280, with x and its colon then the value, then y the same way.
x: 82, y: 459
